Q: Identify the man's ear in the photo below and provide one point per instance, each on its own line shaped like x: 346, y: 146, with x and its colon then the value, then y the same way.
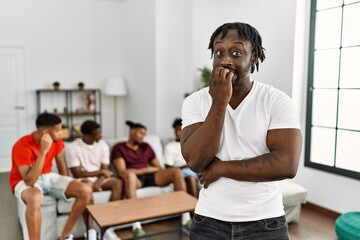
x: 254, y: 59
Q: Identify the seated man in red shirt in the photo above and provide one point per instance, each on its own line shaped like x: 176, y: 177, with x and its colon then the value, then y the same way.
x: 31, y: 175
x: 136, y: 163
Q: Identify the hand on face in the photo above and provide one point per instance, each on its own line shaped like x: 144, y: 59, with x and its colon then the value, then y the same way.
x: 45, y: 143
x: 220, y: 85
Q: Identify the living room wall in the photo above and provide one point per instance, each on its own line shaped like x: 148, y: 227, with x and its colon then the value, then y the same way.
x: 158, y: 54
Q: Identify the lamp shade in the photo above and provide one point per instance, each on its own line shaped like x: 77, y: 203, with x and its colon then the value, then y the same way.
x: 115, y: 86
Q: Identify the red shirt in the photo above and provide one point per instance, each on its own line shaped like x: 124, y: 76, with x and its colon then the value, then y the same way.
x: 25, y: 152
x: 136, y: 159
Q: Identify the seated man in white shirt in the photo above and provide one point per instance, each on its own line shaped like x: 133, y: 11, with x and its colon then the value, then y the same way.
x: 88, y: 159
x: 174, y: 158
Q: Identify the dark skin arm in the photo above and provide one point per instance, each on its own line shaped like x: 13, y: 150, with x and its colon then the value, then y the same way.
x: 120, y: 166
x: 280, y: 163
x: 60, y: 163
x: 200, y: 143
x: 31, y: 173
x: 104, y: 171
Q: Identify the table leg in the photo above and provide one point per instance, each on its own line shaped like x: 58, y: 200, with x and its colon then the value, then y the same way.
x: 87, y: 219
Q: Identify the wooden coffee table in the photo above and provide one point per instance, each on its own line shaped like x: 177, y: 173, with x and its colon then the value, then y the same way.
x: 132, y: 210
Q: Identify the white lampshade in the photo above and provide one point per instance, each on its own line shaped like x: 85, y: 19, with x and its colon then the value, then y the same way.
x: 115, y: 86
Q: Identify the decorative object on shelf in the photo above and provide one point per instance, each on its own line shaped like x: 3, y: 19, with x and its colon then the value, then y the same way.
x: 81, y: 85
x: 56, y: 85
x: 76, y: 130
x: 90, y: 102
x: 65, y: 132
x: 55, y: 111
x: 115, y: 86
x: 70, y: 105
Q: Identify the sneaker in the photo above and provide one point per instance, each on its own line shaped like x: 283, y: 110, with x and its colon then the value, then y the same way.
x: 70, y: 237
x: 92, y: 234
x: 187, y: 225
x: 138, y: 232
x: 110, y: 235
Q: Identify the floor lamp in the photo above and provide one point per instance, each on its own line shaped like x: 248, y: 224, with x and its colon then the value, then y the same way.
x: 116, y: 87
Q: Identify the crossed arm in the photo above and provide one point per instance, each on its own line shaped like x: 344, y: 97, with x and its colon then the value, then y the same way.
x: 200, y: 142
x: 120, y: 166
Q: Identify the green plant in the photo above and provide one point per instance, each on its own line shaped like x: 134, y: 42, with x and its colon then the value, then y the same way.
x: 56, y: 84
x: 205, y: 75
x: 81, y: 85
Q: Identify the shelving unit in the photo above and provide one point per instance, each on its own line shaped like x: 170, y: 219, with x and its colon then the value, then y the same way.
x: 72, y: 105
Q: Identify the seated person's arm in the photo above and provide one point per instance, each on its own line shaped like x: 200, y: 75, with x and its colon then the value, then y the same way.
x: 120, y: 166
x: 60, y: 163
x: 105, y: 171
x: 78, y: 173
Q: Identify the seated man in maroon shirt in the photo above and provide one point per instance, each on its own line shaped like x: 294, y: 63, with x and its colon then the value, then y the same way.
x: 136, y: 163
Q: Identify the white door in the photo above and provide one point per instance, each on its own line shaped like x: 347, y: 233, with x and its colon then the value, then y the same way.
x: 12, y: 102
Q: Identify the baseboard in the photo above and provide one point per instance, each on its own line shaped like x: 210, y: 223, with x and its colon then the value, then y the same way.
x: 325, y: 211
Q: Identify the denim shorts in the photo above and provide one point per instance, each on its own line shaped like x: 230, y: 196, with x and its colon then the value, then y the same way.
x: 187, y: 172
x: 49, y: 184
x: 205, y: 228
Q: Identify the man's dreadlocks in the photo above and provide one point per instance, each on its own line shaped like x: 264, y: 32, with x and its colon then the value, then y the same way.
x: 247, y: 33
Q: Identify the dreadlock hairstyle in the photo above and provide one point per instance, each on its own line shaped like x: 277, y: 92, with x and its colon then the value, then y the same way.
x: 247, y: 33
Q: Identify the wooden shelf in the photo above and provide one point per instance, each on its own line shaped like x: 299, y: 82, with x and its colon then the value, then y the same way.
x: 68, y: 99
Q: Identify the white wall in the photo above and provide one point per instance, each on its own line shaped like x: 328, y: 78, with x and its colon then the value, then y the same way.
x: 64, y: 40
x: 183, y: 32
x: 157, y: 45
x: 338, y: 193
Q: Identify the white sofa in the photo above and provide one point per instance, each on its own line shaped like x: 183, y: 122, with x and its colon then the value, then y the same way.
x: 55, y: 212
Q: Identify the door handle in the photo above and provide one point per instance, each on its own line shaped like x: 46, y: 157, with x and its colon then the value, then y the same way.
x: 19, y: 107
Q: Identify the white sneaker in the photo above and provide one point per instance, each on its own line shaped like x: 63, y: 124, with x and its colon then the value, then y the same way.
x: 92, y: 234
x: 111, y: 235
x: 70, y: 237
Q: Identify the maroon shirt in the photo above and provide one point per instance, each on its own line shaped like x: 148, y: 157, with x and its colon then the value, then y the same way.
x: 136, y: 159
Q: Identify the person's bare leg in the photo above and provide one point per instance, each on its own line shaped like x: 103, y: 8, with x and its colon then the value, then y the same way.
x: 116, y: 187
x: 170, y: 175
x: 83, y: 195
x: 32, y: 198
x: 191, y: 186
x: 131, y: 183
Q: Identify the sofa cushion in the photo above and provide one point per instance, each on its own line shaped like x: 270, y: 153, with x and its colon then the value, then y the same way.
x: 292, y: 193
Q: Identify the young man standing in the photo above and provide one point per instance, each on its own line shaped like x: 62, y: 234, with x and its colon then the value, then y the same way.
x: 241, y: 136
x: 136, y: 163
x: 88, y: 159
x: 31, y: 175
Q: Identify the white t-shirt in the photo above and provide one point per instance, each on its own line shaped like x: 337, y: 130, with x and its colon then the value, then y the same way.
x: 243, y: 136
x: 173, y: 156
x: 88, y: 157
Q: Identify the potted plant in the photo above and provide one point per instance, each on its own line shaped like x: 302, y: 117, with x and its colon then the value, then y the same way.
x: 56, y: 85
x: 81, y: 85
x: 205, y: 75
x: 205, y: 78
